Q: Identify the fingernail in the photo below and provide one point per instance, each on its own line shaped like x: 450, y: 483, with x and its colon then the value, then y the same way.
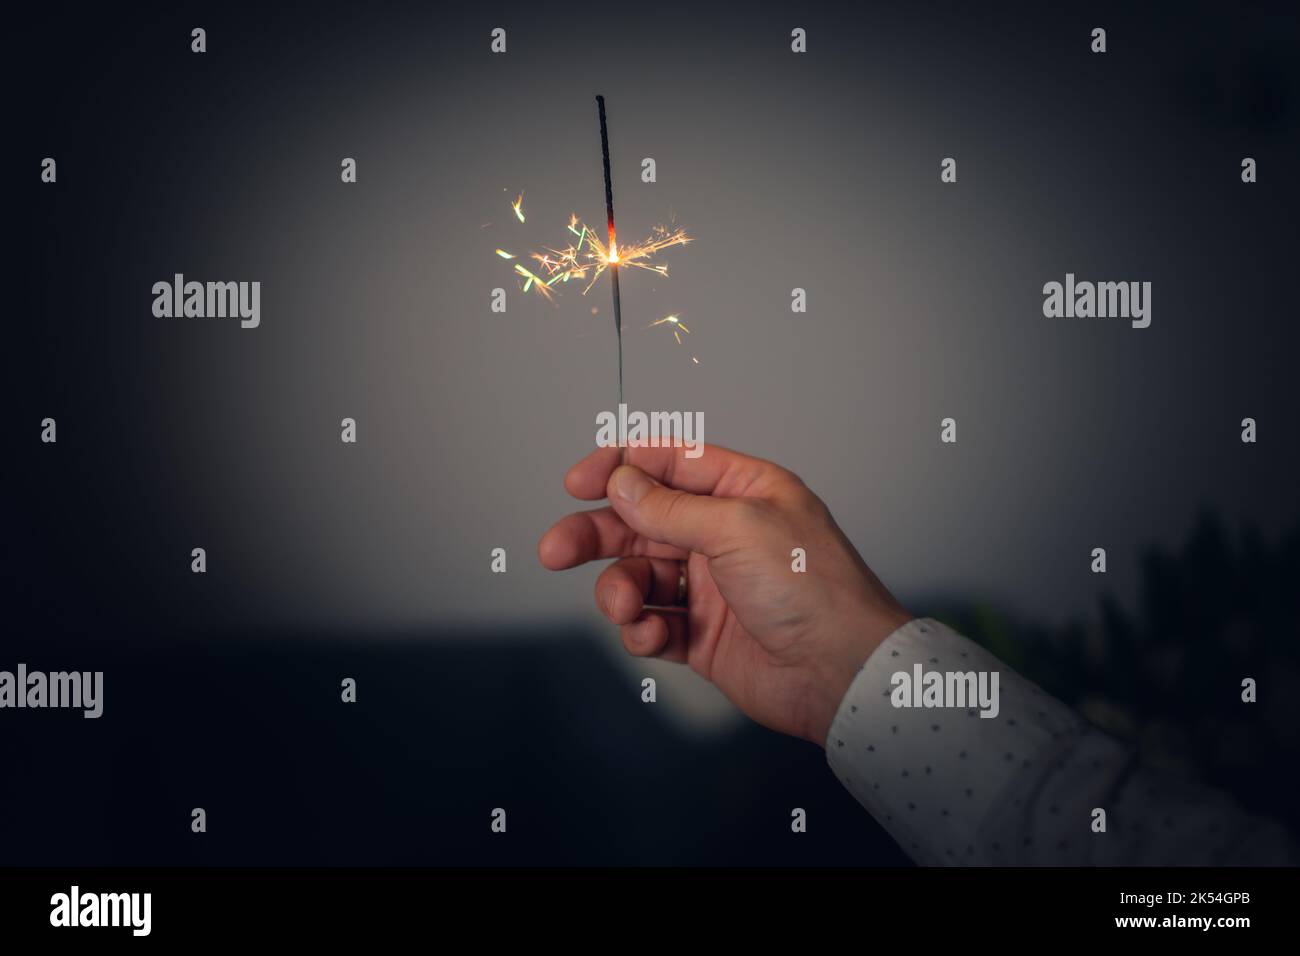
x: 609, y: 602
x: 631, y: 483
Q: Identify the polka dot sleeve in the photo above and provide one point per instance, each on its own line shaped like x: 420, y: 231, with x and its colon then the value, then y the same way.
x: 965, y: 762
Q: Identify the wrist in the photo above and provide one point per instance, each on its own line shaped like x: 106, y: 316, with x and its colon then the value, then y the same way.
x: 849, y: 653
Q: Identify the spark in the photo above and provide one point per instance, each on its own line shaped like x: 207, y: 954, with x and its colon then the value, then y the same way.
x: 675, y: 324
x: 587, y: 258
x: 530, y: 277
x: 584, y: 258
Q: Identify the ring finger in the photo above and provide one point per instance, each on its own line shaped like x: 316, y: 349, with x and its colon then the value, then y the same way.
x: 625, y: 587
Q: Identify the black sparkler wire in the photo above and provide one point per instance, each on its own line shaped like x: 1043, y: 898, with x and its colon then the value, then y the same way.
x: 613, y: 266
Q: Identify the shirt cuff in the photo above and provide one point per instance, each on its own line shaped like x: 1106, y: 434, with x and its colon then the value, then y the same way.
x: 935, y: 738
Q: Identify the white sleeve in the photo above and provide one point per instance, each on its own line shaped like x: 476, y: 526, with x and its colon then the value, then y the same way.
x: 1019, y: 788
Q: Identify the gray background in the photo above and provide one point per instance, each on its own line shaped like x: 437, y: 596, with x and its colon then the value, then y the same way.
x: 372, y: 561
x: 819, y: 171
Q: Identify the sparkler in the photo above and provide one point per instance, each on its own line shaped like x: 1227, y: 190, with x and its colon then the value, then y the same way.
x: 589, y: 256
x: 613, y: 244
x: 586, y: 258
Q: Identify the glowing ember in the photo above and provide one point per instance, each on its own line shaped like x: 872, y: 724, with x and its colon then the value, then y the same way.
x: 674, y: 323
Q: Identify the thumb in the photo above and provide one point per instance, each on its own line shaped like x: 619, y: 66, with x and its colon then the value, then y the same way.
x: 698, y: 523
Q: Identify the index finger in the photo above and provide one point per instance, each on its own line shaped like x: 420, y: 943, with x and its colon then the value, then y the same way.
x: 718, y: 471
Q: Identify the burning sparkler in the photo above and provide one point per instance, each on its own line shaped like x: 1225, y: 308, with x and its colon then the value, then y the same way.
x: 613, y: 244
x: 585, y: 257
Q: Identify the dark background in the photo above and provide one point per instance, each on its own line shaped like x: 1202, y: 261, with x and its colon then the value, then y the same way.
x: 372, y: 561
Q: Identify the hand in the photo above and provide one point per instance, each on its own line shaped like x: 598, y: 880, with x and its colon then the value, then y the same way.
x: 782, y: 646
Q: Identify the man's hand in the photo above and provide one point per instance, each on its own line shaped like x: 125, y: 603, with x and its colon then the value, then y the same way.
x: 783, y: 646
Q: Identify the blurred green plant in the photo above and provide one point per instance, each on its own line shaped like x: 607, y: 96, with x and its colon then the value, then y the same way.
x: 1167, y: 678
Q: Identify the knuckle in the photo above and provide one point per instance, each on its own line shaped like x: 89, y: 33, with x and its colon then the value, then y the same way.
x: 675, y: 507
x: 804, y: 501
x: 630, y: 643
x: 749, y: 513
